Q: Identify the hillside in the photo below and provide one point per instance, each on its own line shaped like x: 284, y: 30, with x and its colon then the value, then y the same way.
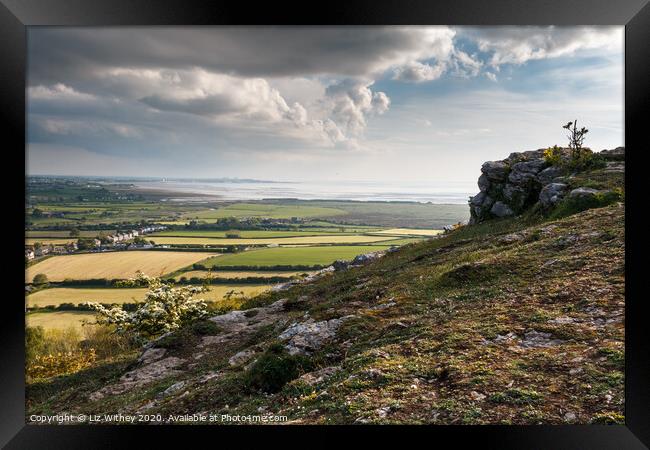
x: 510, y: 320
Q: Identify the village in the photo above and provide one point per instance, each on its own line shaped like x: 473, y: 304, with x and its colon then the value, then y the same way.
x: 128, y: 240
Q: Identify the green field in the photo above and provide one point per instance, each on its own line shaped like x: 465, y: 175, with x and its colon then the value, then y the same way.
x: 48, y: 241
x: 265, y: 210
x: 238, y: 274
x: 64, y: 234
x: 246, y: 234
x: 57, y: 296
x: 292, y: 255
x: 300, y: 240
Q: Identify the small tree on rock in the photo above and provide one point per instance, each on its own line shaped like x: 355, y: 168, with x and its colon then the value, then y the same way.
x: 576, y: 137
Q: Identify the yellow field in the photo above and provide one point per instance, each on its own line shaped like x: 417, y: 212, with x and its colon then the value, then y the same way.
x: 236, y: 274
x: 56, y: 296
x: 59, y: 320
x: 47, y: 241
x: 113, y: 265
x: 409, y: 232
x: 301, y: 240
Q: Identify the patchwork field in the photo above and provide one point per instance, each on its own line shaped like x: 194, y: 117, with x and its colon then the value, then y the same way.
x: 238, y: 274
x: 301, y: 240
x: 409, y: 232
x: 249, y: 234
x: 113, y: 265
x: 292, y: 255
x: 65, y: 234
x: 57, y: 296
x: 48, y: 241
x: 271, y: 211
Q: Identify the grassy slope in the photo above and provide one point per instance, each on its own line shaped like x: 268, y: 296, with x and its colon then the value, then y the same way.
x: 425, y: 360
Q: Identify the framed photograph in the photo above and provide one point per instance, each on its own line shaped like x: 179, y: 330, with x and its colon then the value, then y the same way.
x: 370, y: 218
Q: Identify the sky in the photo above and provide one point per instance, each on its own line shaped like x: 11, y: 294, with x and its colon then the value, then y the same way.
x: 314, y: 103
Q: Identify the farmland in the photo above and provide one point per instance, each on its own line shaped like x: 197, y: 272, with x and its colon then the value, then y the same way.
x: 264, y: 210
x: 409, y: 232
x: 285, y: 238
x: 59, y: 319
x: 249, y: 234
x: 112, y: 265
x: 228, y: 274
x: 76, y: 296
x: 292, y: 256
x: 301, y: 240
x: 47, y: 241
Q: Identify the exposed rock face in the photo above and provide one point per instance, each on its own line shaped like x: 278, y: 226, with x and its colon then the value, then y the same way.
x: 617, y: 154
x: 303, y: 338
x: 510, y: 186
x: 552, y: 193
x: 583, y: 192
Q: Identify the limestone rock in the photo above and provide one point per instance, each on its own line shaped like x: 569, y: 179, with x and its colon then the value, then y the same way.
x: 495, y: 170
x: 305, y: 337
x: 552, y: 193
x: 549, y: 174
x: 617, y: 154
x: 319, y: 376
x: 500, y: 209
x: 583, y: 192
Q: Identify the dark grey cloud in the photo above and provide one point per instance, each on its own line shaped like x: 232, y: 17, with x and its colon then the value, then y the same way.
x: 67, y: 53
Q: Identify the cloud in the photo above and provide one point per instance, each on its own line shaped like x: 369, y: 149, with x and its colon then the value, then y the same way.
x: 350, y: 101
x: 261, y: 91
x: 82, y: 53
x: 491, y: 76
x: 517, y: 45
x: 417, y: 72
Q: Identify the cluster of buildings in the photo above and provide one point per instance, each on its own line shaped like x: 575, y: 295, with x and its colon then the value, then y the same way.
x: 32, y: 251
x: 127, y: 236
x: 116, y: 241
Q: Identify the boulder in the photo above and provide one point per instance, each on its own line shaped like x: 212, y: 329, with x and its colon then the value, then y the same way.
x: 500, y: 209
x: 617, y: 154
x: 583, y: 192
x: 552, y: 193
x: 495, y: 170
x: 515, y: 196
x: 305, y: 337
x: 548, y: 175
x: 483, y: 183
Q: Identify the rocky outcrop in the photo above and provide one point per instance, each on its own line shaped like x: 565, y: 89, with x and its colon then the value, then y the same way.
x: 510, y: 186
x: 303, y: 338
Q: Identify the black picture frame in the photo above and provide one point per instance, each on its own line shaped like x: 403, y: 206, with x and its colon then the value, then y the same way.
x: 16, y: 15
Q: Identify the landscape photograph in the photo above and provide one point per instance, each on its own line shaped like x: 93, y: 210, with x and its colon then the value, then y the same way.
x: 325, y: 225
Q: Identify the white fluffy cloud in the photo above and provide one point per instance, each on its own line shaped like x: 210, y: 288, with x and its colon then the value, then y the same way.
x: 517, y: 45
x: 268, y: 87
x: 350, y: 101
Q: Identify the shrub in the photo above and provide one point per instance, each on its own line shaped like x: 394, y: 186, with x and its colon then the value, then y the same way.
x: 274, y: 369
x: 553, y: 155
x: 34, y: 342
x: 105, y: 341
x: 63, y: 363
x: 40, y: 278
x: 164, y: 309
x: 573, y: 205
x: 205, y: 327
x: 55, y: 352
